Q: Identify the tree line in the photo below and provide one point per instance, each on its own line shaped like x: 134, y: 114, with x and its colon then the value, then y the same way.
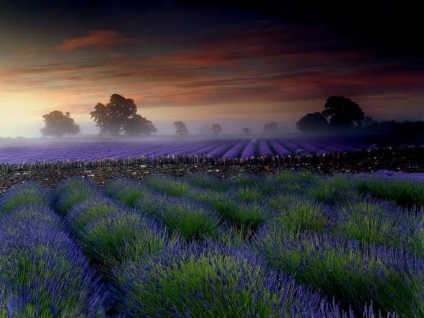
x: 119, y: 117
x: 340, y: 115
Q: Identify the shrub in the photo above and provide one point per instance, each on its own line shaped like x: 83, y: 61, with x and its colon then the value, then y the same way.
x: 211, y: 281
x: 72, y: 191
x: 86, y: 211
x: 293, y: 182
x: 249, y: 194
x: 42, y: 273
x: 125, y: 190
x: 376, y: 222
x: 192, y: 220
x: 407, y: 193
x: 389, y: 278
x: 297, y: 214
x: 206, y: 182
x: 168, y: 186
x: 333, y: 190
x: 123, y: 236
x: 26, y: 193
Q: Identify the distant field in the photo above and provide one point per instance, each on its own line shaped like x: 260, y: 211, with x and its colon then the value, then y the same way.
x: 243, y: 148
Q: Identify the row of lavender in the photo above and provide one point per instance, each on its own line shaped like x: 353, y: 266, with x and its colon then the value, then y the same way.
x: 230, y: 149
x: 203, y: 247
x: 42, y: 271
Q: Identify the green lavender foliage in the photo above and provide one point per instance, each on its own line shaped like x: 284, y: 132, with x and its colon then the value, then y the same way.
x: 371, y: 221
x: 334, y: 190
x: 43, y: 273
x: 297, y: 214
x: 192, y: 220
x: 111, y: 240
x: 124, y: 190
x: 390, y: 278
x: 167, y: 185
x: 26, y: 193
x: 207, y: 182
x: 211, y: 281
x: 407, y: 193
x: 72, y: 191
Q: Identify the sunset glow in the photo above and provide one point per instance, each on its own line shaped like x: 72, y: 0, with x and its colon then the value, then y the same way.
x: 197, y: 63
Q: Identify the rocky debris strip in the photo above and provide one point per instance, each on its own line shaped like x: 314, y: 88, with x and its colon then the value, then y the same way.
x: 403, y: 159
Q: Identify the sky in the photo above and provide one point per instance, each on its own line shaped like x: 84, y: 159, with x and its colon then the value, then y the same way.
x: 237, y: 63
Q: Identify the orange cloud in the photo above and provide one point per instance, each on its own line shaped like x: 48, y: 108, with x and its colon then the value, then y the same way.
x: 94, y: 38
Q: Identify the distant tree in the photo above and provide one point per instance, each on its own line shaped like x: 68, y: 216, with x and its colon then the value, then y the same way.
x: 216, y: 129
x: 120, y: 116
x: 368, y: 122
x: 181, y: 128
x: 138, y: 125
x: 342, y: 112
x: 271, y: 128
x: 312, y: 122
x: 246, y: 131
x: 58, y: 124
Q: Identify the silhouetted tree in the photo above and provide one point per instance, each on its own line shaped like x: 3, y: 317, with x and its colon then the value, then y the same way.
x: 271, y: 128
x: 368, y: 122
x: 342, y: 112
x: 120, y: 115
x: 246, y: 131
x: 58, y: 124
x: 216, y: 129
x: 181, y: 128
x: 312, y: 122
x: 138, y: 125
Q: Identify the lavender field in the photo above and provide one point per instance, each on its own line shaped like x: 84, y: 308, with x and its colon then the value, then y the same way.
x: 288, y: 245
x: 242, y: 148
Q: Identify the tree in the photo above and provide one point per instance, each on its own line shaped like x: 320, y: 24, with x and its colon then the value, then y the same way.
x: 342, y: 112
x: 138, y: 125
x: 368, y: 122
x: 271, y: 128
x: 246, y: 131
x: 58, y: 124
x: 314, y: 122
x: 120, y: 115
x: 181, y: 128
x: 216, y: 129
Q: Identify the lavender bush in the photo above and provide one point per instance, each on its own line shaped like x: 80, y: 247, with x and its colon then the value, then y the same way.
x: 390, y: 278
x: 125, y: 190
x: 26, y: 193
x: 297, y: 214
x: 43, y: 273
x: 211, y: 281
x: 72, y: 191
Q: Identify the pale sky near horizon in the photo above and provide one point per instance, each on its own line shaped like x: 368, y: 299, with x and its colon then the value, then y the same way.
x: 236, y: 63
